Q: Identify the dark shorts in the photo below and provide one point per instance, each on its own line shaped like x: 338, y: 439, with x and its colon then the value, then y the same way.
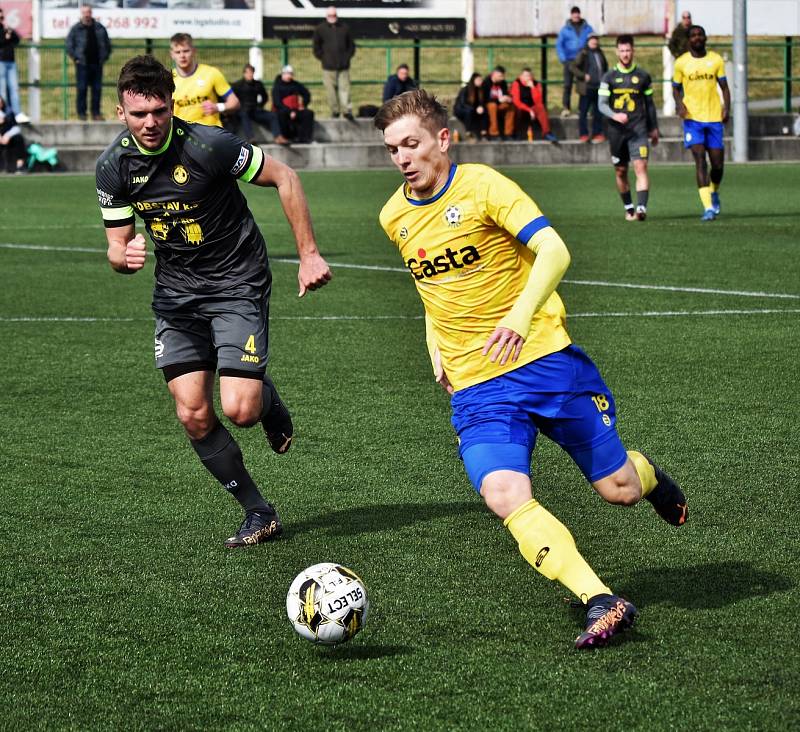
x: 561, y: 395
x: 628, y: 144
x: 221, y: 332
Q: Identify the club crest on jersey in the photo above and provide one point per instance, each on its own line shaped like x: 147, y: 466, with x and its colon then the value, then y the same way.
x: 180, y: 175
x: 451, y: 259
x: 404, y: 233
x: 453, y: 216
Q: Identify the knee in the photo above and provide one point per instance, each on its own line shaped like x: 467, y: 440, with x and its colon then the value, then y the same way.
x: 505, y: 493
x: 196, y: 420
x: 242, y: 412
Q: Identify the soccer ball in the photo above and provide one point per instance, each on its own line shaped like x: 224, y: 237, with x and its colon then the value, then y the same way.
x: 327, y: 603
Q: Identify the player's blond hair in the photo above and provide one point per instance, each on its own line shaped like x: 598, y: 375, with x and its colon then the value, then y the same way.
x: 418, y: 103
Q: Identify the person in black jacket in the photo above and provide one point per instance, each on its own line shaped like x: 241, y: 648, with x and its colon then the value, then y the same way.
x: 253, y: 96
x: 334, y: 47
x: 88, y: 46
x: 588, y: 68
x: 9, y: 78
x: 470, y: 107
x: 290, y: 100
x: 399, y: 82
x: 12, y: 144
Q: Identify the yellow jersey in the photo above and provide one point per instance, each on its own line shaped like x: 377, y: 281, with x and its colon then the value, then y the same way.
x: 465, y: 248
x: 204, y: 83
x: 699, y: 78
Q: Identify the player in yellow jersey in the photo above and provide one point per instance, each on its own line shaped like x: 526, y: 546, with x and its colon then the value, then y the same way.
x: 486, y: 263
x: 697, y: 74
x: 201, y: 91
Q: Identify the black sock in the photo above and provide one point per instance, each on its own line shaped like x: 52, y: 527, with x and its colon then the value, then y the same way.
x: 626, y: 200
x: 222, y: 458
x: 716, y: 175
x: 641, y: 198
x: 266, y: 397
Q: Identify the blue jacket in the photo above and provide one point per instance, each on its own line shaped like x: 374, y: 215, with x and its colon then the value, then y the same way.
x: 394, y: 87
x: 569, y: 42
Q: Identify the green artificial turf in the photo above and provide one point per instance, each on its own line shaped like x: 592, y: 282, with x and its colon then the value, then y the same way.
x: 121, y: 609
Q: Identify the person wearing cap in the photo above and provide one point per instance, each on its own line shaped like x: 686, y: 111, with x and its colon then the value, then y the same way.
x: 290, y: 100
x: 334, y: 47
x: 571, y: 39
x: 679, y: 40
x: 587, y: 69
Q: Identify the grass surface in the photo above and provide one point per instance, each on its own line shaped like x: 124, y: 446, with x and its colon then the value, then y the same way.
x: 440, y: 66
x: 120, y: 607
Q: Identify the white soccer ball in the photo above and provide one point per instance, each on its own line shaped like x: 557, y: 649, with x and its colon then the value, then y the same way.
x: 327, y: 603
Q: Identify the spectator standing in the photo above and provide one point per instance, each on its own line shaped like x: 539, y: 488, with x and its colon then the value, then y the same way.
x: 399, y: 82
x: 202, y: 92
x: 291, y: 99
x: 470, y: 107
x: 12, y: 144
x: 253, y: 96
x: 527, y: 95
x: 88, y: 46
x: 9, y: 78
x: 679, y: 41
x: 588, y: 69
x: 499, y: 104
x: 334, y: 47
x: 571, y: 39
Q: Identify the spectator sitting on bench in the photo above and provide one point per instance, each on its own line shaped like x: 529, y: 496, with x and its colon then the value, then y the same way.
x: 253, y: 96
x: 12, y: 144
x: 290, y: 99
x: 399, y: 82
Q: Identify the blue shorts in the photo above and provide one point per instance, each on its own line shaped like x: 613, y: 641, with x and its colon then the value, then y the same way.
x: 562, y: 395
x: 703, y: 133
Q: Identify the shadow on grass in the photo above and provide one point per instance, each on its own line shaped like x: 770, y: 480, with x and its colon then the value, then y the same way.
x: 366, y: 519
x: 704, y: 586
x: 362, y: 652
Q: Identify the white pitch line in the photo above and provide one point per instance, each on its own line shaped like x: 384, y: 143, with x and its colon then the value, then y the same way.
x: 380, y: 268
x: 644, y: 314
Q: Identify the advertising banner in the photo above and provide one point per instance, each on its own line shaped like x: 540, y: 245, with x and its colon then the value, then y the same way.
x: 18, y: 16
x: 369, y: 18
x: 156, y: 20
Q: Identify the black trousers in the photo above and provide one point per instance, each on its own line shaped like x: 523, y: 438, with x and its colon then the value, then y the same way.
x: 300, y: 127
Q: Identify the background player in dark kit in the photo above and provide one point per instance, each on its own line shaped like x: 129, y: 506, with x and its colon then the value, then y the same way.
x: 211, y: 296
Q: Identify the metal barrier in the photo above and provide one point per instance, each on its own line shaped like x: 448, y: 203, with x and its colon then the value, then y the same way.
x: 435, y: 64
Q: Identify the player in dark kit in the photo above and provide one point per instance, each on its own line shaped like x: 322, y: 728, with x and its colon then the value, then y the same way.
x: 626, y: 98
x: 211, y: 296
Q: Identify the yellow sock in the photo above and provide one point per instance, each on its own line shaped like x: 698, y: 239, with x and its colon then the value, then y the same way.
x: 645, y: 471
x: 705, y: 197
x: 713, y: 186
x: 550, y: 549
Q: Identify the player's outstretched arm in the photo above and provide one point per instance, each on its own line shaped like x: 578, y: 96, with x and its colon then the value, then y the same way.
x: 314, y: 271
x: 552, y: 261
x: 126, y: 249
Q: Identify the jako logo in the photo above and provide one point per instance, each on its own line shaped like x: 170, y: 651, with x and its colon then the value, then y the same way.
x: 543, y: 552
x: 422, y: 267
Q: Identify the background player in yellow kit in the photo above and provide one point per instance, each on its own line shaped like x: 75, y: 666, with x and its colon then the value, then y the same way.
x: 486, y: 263
x: 201, y: 91
x: 697, y: 74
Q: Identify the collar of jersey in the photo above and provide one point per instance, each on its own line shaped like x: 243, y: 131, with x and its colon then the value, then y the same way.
x: 162, y: 148
x: 194, y: 71
x: 436, y: 196
x: 623, y: 70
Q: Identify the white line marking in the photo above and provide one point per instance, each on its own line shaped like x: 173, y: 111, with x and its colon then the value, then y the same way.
x: 644, y: 314
x: 380, y: 268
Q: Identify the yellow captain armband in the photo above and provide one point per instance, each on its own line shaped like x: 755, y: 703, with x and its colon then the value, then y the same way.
x: 552, y: 260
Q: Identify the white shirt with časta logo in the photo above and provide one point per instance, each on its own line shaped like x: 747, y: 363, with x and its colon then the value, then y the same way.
x: 205, y: 238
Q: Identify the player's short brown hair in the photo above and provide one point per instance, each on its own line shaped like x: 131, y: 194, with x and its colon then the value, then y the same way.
x: 180, y: 38
x: 418, y: 103
x: 146, y: 76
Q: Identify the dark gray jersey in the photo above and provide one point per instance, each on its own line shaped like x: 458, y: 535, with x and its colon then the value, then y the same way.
x: 630, y: 91
x: 206, y: 240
